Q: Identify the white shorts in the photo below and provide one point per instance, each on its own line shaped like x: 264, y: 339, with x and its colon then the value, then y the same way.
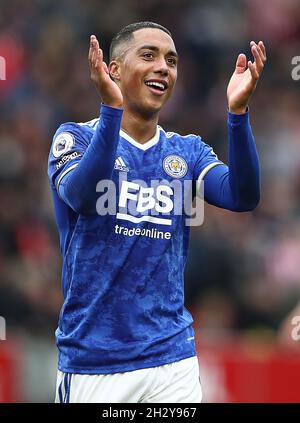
x: 177, y: 382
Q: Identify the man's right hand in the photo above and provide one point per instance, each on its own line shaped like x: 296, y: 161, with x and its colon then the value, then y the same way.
x: 109, y: 91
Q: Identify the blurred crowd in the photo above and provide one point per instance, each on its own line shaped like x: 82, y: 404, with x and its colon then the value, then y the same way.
x: 244, y: 269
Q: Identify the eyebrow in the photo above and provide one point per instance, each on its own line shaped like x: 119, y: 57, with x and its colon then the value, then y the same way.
x: 154, y: 48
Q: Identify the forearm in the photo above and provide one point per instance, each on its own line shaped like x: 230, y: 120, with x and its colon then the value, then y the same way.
x: 78, y: 187
x: 236, y: 187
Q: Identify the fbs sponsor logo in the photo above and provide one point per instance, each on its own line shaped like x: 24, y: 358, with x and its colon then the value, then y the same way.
x: 120, y: 165
x: 67, y: 158
x: 137, y: 202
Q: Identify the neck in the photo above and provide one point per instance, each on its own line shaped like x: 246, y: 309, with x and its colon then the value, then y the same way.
x: 140, y: 128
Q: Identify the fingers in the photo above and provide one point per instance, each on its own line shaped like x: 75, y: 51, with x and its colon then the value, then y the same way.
x: 259, y: 54
x: 263, y: 50
x: 92, y: 47
x: 253, y: 70
x: 95, y: 56
x: 257, y: 57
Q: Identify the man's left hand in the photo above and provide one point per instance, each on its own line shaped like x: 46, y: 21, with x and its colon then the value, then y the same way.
x: 244, y: 79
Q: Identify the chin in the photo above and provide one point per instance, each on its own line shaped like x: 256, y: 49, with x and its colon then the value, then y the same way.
x: 153, y: 107
x: 147, y: 107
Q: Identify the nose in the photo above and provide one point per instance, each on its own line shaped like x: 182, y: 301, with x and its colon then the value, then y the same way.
x: 161, y: 67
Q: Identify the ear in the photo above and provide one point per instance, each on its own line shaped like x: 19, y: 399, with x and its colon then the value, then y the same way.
x: 114, y: 69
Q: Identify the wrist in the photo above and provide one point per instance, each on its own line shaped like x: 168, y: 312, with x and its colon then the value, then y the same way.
x: 238, y: 110
x: 112, y: 104
x: 107, y: 110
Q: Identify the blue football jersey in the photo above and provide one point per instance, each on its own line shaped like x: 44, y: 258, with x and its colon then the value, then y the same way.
x: 123, y: 264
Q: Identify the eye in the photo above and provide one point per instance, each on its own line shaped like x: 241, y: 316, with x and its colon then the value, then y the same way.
x: 148, y: 56
x: 172, y: 61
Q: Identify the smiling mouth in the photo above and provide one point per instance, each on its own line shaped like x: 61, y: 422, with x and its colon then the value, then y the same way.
x: 157, y: 88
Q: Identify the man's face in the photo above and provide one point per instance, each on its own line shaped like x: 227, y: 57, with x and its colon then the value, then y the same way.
x: 148, y: 70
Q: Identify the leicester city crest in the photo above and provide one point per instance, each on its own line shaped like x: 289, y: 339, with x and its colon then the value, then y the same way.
x: 175, y: 166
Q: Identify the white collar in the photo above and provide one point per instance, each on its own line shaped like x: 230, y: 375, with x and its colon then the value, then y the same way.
x: 144, y: 146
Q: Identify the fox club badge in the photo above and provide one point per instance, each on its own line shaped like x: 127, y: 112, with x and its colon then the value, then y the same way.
x: 62, y: 144
x: 175, y: 166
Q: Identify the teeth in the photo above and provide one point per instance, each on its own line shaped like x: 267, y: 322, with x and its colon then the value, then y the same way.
x: 156, y: 84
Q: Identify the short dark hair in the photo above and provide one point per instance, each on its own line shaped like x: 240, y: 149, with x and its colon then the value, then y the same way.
x: 126, y: 34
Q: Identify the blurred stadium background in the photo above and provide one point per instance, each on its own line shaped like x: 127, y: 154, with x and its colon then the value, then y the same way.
x: 243, y: 275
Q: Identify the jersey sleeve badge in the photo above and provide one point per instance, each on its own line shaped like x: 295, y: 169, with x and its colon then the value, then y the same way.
x: 62, y: 144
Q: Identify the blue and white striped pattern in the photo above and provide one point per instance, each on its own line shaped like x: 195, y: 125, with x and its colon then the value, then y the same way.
x: 64, y: 388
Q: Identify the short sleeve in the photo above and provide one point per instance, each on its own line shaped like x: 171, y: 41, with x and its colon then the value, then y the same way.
x: 205, y: 159
x: 68, y: 146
